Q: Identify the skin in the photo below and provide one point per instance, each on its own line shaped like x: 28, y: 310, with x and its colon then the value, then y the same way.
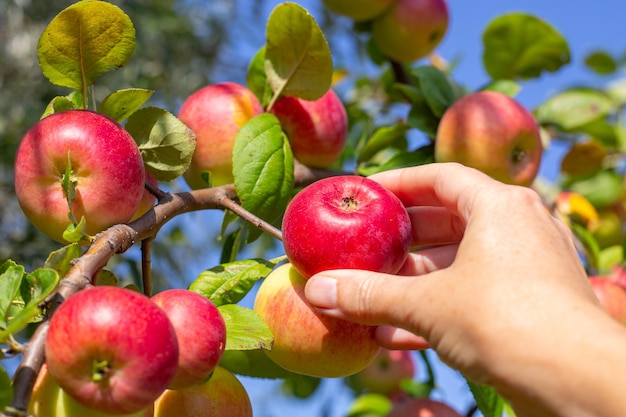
x: 306, y: 341
x: 215, y: 113
x: 506, y: 301
x: 493, y: 133
x: 317, y: 130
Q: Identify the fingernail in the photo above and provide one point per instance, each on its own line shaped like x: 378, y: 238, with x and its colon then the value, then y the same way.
x: 321, y: 291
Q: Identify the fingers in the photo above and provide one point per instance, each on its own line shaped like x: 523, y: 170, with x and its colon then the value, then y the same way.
x: 428, y: 260
x: 394, y: 338
x: 435, y: 225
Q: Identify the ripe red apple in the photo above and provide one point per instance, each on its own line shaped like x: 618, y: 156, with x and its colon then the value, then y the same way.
x: 612, y: 297
x: 111, y: 349
x: 221, y: 396
x: 346, y: 222
x: 421, y: 407
x: 358, y: 9
x: 215, y: 113
x: 305, y: 341
x: 411, y: 29
x: 106, y: 166
x: 317, y: 130
x: 148, y: 200
x: 48, y: 399
x: 201, y: 334
x: 385, y: 373
x: 491, y: 132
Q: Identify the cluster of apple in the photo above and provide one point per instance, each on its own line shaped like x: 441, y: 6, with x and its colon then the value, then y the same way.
x: 317, y: 130
x: 403, y: 30
x: 114, y: 351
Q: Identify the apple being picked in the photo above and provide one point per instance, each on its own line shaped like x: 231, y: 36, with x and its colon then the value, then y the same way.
x: 201, y: 334
x: 612, y: 297
x: 493, y: 133
x: 358, y: 9
x: 215, y: 113
x: 98, y: 159
x: 411, y: 29
x: 386, y: 372
x: 421, y: 407
x: 346, y: 221
x: 48, y: 399
x: 317, y: 130
x: 111, y: 349
x: 305, y: 341
x: 223, y: 395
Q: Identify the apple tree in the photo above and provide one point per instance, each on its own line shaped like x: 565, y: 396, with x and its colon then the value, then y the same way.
x: 102, y: 172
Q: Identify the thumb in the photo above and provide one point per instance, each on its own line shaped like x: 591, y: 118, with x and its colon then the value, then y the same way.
x: 365, y: 297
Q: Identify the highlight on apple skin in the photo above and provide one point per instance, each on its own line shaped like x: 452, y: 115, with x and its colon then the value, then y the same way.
x: 346, y: 222
x: 106, y: 167
x: 493, y: 133
x: 215, y: 113
x: 111, y: 349
x: 317, y: 130
x: 305, y: 341
x: 411, y: 29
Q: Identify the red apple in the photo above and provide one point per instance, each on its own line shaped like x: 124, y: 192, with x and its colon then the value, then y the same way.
x: 305, y: 341
x: 421, y: 407
x: 491, y: 132
x: 106, y: 166
x: 385, y: 373
x: 48, y: 399
x: 317, y: 130
x: 111, y: 349
x: 612, y: 297
x: 346, y: 222
x: 358, y: 9
x: 411, y: 29
x: 201, y: 334
x: 221, y: 396
x: 148, y: 200
x: 215, y: 113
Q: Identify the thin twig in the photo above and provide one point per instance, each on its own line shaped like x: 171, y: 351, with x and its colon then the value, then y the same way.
x: 146, y: 266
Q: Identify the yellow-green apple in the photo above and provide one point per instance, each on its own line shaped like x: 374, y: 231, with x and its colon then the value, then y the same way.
x: 215, y: 113
x: 111, y: 349
x: 96, y: 155
x: 317, y: 129
x: 612, y: 296
x: 570, y: 207
x: 491, y: 132
x: 421, y: 407
x: 608, y: 230
x: 346, y: 221
x: 386, y: 372
x: 358, y: 9
x: 48, y: 399
x: 223, y: 395
x: 411, y: 29
x: 201, y: 334
x: 306, y: 341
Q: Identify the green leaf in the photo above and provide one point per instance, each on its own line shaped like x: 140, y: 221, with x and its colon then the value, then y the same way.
x: 509, y: 87
x: 58, y: 104
x: 383, y: 137
x: 231, y: 246
x: 401, y: 159
x: 573, y: 108
x: 370, y: 404
x: 487, y: 399
x: 588, y: 241
x: 6, y: 389
x: 228, y: 283
x: 85, y: 41
x: 61, y: 259
x: 602, y: 189
x: 301, y: 387
x: 10, y: 282
x: 76, y: 232
x: 256, y: 79
x: 522, y: 46
x: 298, y: 61
x: 254, y: 363
x: 263, y: 169
x: 119, y: 105
x: 166, y: 143
x: 245, y: 330
x: 436, y: 88
x: 601, y: 62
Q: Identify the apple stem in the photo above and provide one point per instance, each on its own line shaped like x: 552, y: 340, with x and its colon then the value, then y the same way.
x: 231, y: 205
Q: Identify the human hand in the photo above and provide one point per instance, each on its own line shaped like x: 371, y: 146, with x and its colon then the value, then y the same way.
x: 497, y: 290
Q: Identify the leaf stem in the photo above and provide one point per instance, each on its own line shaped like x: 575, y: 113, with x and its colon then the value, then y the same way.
x: 251, y: 218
